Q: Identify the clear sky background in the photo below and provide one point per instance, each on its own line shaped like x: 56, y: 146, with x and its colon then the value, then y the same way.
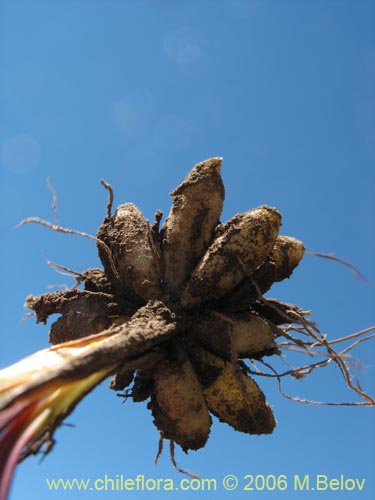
x: 136, y: 92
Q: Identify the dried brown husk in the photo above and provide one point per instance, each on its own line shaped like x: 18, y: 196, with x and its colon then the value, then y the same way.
x: 121, y: 380
x: 231, y: 395
x: 82, y: 312
x: 95, y: 280
x: 279, y: 265
x: 287, y: 253
x: 241, y: 246
x: 142, y: 386
x: 177, y: 402
x: 134, y: 253
x: 189, y: 227
x: 280, y: 313
x: 76, y: 325
x: 243, y: 335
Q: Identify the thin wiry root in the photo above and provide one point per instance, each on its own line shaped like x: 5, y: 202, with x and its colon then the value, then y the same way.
x: 66, y: 271
x: 127, y: 394
x: 54, y: 200
x: 173, y: 460
x: 339, y: 360
x: 356, y: 272
x: 370, y: 401
x: 160, y: 448
x: 312, y: 348
x: 108, y: 187
x: 58, y: 287
x: 61, y: 229
x: 172, y: 456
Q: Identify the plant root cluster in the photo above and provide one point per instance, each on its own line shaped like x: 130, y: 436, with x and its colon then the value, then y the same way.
x: 213, y: 276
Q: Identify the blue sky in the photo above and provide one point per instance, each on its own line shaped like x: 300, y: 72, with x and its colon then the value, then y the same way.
x: 137, y: 92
